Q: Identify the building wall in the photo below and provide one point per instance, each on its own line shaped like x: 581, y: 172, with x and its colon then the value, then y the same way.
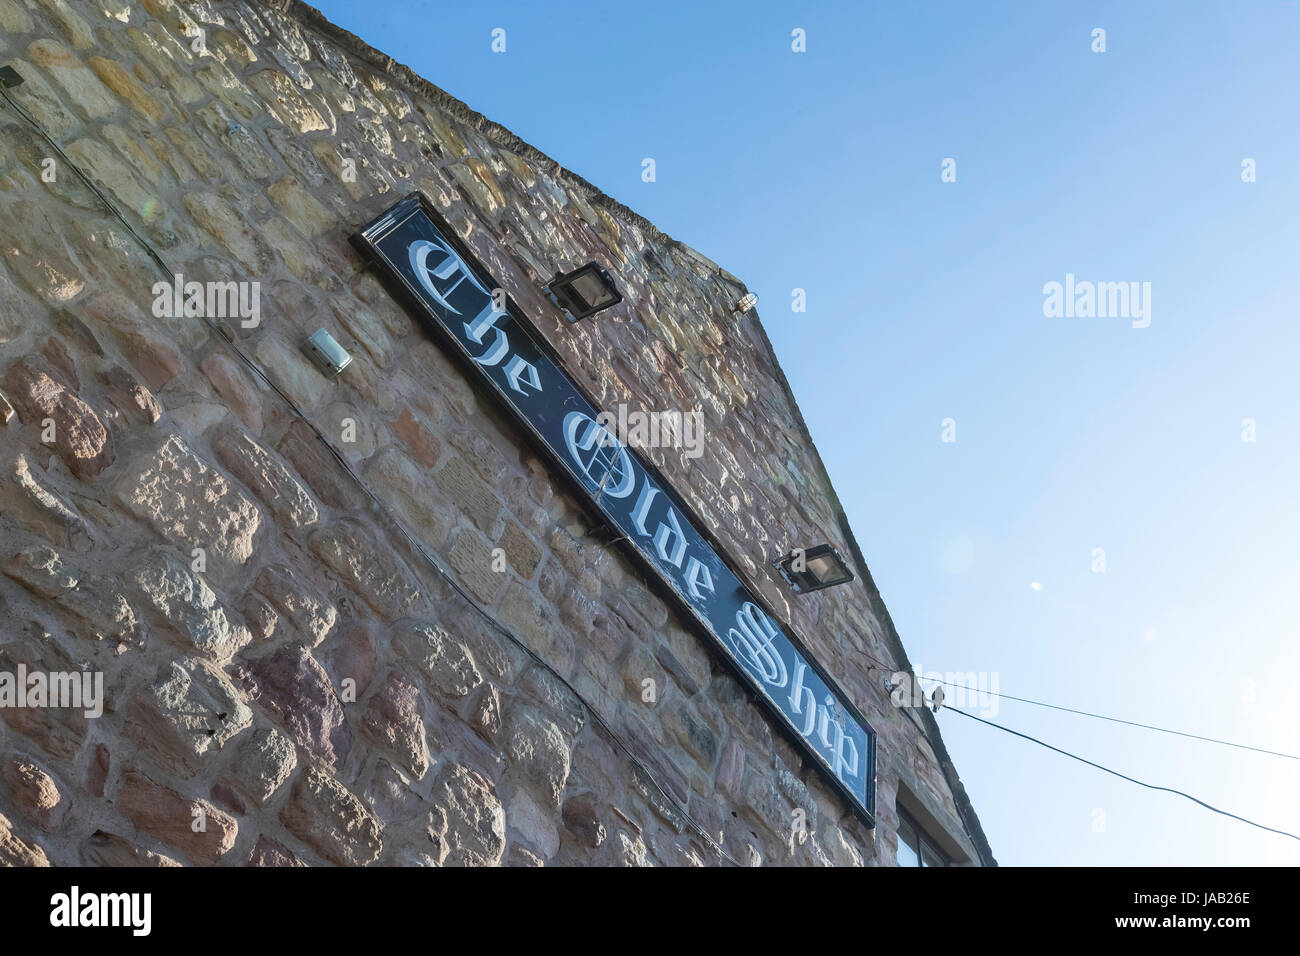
x: 250, y: 552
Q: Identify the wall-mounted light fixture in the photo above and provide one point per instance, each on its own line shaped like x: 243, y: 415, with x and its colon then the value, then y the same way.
x: 328, y: 356
x: 10, y: 77
x: 746, y: 303
x: 811, y: 569
x: 582, y: 292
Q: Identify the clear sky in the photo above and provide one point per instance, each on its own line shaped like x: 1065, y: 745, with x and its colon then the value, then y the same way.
x: 821, y: 171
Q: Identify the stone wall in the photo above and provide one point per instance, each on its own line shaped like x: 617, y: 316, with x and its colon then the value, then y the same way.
x: 249, y: 552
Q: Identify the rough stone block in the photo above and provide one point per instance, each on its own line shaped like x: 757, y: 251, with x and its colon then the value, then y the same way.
x: 463, y: 485
x: 447, y: 663
x: 15, y: 851
x: 304, y: 608
x: 78, y: 436
x: 394, y: 720
x: 264, y: 475
x: 468, y: 818
x: 374, y: 572
x: 294, y: 686
x: 472, y: 559
x: 265, y: 762
x: 332, y: 820
x: 189, y: 503
x: 189, y: 712
x: 187, y: 607
x: 195, y: 827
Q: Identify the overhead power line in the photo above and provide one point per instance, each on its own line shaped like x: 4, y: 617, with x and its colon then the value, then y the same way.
x: 1149, y: 786
x: 885, y: 668
x: 1116, y: 720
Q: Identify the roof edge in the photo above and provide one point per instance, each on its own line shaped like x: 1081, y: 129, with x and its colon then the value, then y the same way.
x: 310, y: 17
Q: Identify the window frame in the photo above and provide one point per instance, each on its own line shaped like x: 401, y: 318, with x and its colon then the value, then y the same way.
x: 924, y: 843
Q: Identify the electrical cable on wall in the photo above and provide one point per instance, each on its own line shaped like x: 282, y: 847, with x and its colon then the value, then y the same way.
x: 416, y: 546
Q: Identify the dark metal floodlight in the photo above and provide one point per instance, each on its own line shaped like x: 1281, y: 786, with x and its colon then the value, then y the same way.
x: 815, y: 568
x: 583, y: 292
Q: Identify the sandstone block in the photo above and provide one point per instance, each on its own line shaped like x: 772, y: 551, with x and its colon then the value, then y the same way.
x: 290, y: 370
x: 265, y: 762
x: 269, y: 852
x: 537, y: 754
x: 352, y: 658
x: 79, y: 437
x: 394, y: 720
x: 468, y: 817
x: 236, y: 387
x: 472, y: 559
x: 71, y: 24
x: 187, y: 608
x: 189, y: 712
x: 195, y: 827
x: 34, y: 792
x: 14, y: 851
x: 231, y: 230
x: 521, y: 551
x: 332, y: 820
x: 127, y: 87
x: 102, y: 611
x: 294, y: 686
x: 582, y: 816
x: 87, y: 93
x: 301, y: 208
x: 372, y: 571
x: 462, y: 484
x: 408, y: 490
x: 59, y: 731
x: 534, y: 622
x: 108, y: 849
x: 304, y: 450
x: 288, y: 104
x: 447, y: 663
x: 267, y: 477
x: 304, y: 608
x: 694, y: 735
x: 422, y: 442
x: 131, y: 396
x: 189, y: 503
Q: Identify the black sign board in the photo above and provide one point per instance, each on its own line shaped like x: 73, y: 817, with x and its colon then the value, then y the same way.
x: 438, y: 277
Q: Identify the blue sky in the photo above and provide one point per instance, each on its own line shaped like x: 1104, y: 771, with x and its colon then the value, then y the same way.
x: 821, y: 171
